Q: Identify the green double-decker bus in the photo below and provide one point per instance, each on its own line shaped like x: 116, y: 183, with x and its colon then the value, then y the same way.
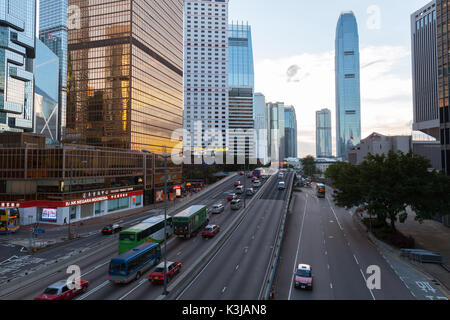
x: 150, y: 230
x: 189, y: 222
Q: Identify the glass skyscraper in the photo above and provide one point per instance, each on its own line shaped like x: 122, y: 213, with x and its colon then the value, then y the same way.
x: 17, y: 52
x: 46, y: 71
x: 53, y: 31
x: 323, y: 134
x: 277, y: 132
x: 348, y: 96
x: 241, y: 90
x: 290, y: 132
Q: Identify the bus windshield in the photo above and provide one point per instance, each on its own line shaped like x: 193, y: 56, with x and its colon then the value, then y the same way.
x: 128, y: 236
x: 117, y: 267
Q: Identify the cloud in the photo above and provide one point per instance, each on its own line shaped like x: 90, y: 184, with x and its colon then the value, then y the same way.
x: 386, y: 90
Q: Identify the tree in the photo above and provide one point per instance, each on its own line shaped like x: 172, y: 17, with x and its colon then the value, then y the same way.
x: 309, y: 166
x: 387, y: 185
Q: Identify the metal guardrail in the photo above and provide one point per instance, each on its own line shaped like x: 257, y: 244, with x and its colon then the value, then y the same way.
x: 271, y: 270
x: 422, y: 256
x: 179, y: 285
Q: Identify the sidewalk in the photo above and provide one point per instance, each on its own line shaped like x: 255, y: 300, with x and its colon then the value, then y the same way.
x: 432, y: 236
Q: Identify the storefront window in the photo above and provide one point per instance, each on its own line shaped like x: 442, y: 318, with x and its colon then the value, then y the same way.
x: 124, y: 203
x: 73, y: 213
x: 113, y: 205
x: 98, y: 208
x: 138, y: 200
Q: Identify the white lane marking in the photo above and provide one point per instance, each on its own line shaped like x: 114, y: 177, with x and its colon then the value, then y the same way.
x: 331, y: 285
x: 223, y: 290
x: 178, y: 254
x: 340, y: 226
x: 328, y: 267
x: 237, y: 267
x: 94, y: 290
x: 326, y: 253
x: 96, y: 268
x: 356, y: 259
x: 134, y: 289
x: 298, y: 246
x: 365, y: 282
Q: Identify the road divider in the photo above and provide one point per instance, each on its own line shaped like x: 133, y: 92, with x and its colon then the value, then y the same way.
x: 179, y: 286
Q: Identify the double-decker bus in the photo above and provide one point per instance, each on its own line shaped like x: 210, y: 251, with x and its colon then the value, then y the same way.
x: 320, y: 190
x: 150, y: 230
x: 258, y: 173
x: 134, y: 263
x: 9, y: 220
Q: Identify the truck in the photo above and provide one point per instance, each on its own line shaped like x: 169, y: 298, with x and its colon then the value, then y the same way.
x: 189, y: 222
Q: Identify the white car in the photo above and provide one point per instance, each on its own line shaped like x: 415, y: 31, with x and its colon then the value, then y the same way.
x: 281, y: 185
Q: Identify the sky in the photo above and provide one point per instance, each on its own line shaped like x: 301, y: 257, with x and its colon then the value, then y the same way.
x: 300, y: 35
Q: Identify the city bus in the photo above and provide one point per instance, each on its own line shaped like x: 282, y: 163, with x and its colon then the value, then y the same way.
x: 321, y: 190
x: 134, y: 263
x: 9, y: 220
x: 150, y: 230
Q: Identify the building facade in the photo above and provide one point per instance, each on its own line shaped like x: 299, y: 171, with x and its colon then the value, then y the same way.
x: 241, y: 91
x: 378, y: 144
x: 277, y: 133
x: 17, y: 53
x: 290, y: 132
x: 262, y: 128
x: 206, y: 113
x: 53, y: 31
x: 46, y: 96
x: 324, y: 148
x: 348, y: 96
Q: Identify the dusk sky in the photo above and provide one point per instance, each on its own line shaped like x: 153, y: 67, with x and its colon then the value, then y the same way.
x: 302, y: 33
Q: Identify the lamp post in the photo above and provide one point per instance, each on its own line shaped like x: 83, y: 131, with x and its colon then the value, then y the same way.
x: 70, y: 192
x: 165, y: 217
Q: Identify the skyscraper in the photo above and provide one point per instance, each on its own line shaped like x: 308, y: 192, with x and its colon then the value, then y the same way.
x: 277, y: 132
x: 262, y: 128
x: 290, y: 132
x: 46, y: 71
x: 241, y: 91
x: 348, y: 99
x: 17, y: 52
x: 125, y: 86
x: 323, y: 134
x: 53, y: 31
x: 206, y: 74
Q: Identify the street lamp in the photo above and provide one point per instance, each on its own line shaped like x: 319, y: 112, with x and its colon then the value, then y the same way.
x: 165, y: 218
x: 70, y: 192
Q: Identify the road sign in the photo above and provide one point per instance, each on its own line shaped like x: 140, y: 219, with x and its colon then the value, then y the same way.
x: 38, y: 231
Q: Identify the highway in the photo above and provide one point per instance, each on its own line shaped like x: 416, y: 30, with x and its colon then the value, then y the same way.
x: 326, y: 237
x: 238, y: 269
x: 95, y: 268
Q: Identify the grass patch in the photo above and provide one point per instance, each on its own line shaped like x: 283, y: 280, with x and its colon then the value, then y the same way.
x: 384, y: 232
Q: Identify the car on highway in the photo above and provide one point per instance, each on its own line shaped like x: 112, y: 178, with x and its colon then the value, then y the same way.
x: 157, y: 276
x: 250, y: 175
x: 239, y: 189
x: 241, y: 173
x: 250, y: 192
x: 237, y: 184
x: 256, y: 184
x: 210, y: 231
x: 231, y: 196
x: 281, y: 175
x: 281, y: 185
x: 60, y: 291
x: 303, y: 278
x: 218, y: 208
x: 236, y: 204
x: 111, y: 229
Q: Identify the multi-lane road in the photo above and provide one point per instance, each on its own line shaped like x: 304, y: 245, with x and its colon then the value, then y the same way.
x: 326, y: 237
x: 95, y: 268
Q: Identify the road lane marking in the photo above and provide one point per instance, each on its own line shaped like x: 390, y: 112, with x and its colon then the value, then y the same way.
x: 340, y: 226
x: 224, y: 289
x: 298, y: 246
x: 365, y: 283
x: 356, y: 259
x: 96, y: 268
x: 237, y: 267
x: 331, y: 285
x: 134, y: 289
x: 94, y: 290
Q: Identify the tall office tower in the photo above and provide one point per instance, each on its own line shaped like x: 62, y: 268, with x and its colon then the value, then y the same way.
x: 348, y: 99
x: 277, y: 132
x: 206, y: 74
x: 53, y: 29
x: 323, y: 134
x: 241, y: 90
x: 125, y: 63
x: 17, y: 52
x: 426, y: 77
x: 290, y: 132
x: 262, y: 125
x: 46, y: 84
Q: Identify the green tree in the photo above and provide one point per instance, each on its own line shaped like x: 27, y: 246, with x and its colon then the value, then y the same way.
x: 309, y: 166
x: 387, y: 184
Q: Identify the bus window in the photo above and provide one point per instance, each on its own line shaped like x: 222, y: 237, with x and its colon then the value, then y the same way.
x: 2, y: 224
x: 2, y: 212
